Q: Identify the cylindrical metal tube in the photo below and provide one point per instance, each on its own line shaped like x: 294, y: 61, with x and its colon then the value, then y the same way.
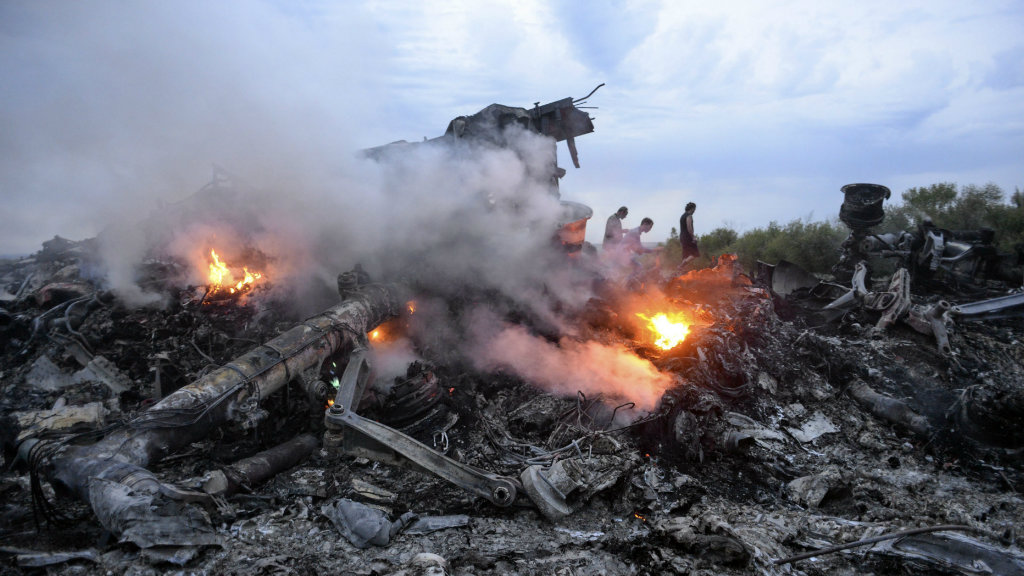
x: 261, y: 467
x: 190, y: 413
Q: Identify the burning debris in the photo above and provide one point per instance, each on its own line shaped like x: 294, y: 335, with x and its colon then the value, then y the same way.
x: 223, y: 280
x: 562, y: 421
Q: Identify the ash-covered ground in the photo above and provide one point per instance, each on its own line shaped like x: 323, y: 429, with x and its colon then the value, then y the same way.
x: 778, y: 433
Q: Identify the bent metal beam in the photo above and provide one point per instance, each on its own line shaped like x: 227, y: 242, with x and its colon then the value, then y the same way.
x: 229, y: 393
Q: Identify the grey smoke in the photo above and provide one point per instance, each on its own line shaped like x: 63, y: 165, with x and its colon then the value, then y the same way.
x: 132, y: 104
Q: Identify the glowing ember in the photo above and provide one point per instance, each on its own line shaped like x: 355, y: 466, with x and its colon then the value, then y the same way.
x: 411, y: 306
x: 669, y: 331
x: 375, y: 335
x: 335, y: 383
x: 220, y: 277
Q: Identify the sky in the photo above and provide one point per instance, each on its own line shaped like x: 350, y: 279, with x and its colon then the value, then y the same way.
x: 757, y: 111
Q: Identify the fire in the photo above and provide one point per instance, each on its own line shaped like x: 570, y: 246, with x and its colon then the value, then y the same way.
x: 387, y: 333
x: 248, y: 280
x: 335, y: 383
x: 218, y: 270
x: 670, y: 331
x: 221, y: 276
x: 411, y: 306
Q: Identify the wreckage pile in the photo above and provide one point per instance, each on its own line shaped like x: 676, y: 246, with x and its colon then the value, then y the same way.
x: 225, y: 436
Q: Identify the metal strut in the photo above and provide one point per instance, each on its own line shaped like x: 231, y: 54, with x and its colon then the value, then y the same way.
x: 499, y: 490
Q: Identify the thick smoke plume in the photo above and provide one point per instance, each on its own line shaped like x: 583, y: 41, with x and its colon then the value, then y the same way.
x: 570, y: 366
x: 138, y: 101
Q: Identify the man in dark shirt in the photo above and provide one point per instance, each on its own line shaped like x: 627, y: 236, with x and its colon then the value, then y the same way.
x: 687, y: 238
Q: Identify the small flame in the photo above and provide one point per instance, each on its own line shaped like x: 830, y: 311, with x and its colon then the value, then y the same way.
x: 218, y: 270
x: 335, y: 383
x: 670, y: 332
x: 411, y: 306
x: 639, y: 517
x: 375, y: 335
x: 249, y: 279
x: 220, y: 274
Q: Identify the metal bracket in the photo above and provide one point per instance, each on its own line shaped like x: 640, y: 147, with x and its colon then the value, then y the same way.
x: 499, y: 490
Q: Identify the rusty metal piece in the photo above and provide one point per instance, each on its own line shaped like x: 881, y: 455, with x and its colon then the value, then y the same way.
x: 890, y: 409
x: 316, y: 391
x: 1001, y: 307
x: 359, y: 436
x: 787, y: 278
x: 353, y: 380
x: 890, y: 245
x: 893, y: 303
x: 931, y: 253
x: 259, y: 467
x: 736, y: 441
x: 231, y: 393
x: 499, y: 490
x: 549, y: 488
x: 856, y: 293
x: 862, y: 205
x: 931, y: 320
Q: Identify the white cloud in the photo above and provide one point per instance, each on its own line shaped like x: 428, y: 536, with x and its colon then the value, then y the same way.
x: 112, y: 106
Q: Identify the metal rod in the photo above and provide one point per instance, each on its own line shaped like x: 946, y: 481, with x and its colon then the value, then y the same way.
x: 876, y: 539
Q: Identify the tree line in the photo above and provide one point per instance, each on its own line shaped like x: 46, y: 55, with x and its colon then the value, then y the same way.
x: 814, y: 245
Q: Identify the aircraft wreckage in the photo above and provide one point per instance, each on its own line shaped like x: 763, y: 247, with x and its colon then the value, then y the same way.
x: 790, y: 426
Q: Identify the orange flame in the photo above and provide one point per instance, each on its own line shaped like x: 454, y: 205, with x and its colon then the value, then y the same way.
x: 220, y: 275
x: 670, y: 332
x: 248, y: 280
x: 218, y: 270
x: 411, y: 306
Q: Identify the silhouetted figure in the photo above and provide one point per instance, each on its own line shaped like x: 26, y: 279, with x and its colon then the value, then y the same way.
x: 613, y: 228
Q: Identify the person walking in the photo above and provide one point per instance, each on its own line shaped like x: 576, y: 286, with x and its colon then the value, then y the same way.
x: 687, y: 238
x: 613, y: 231
x: 633, y: 250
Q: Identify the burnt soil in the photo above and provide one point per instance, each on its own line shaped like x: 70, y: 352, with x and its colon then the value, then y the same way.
x: 681, y: 499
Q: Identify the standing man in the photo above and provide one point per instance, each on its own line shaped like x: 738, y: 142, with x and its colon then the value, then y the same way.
x: 686, y: 236
x: 613, y: 229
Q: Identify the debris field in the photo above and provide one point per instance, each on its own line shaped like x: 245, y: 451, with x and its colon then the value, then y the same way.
x: 779, y: 433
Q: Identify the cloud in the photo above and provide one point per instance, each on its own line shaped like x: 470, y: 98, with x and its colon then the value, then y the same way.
x: 108, y: 108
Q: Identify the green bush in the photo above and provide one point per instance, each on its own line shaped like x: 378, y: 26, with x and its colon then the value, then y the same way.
x: 815, y: 245
x: 713, y: 244
x: 968, y: 208
x: 812, y: 245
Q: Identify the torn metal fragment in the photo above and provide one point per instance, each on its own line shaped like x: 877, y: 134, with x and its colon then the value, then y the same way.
x: 363, y: 525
